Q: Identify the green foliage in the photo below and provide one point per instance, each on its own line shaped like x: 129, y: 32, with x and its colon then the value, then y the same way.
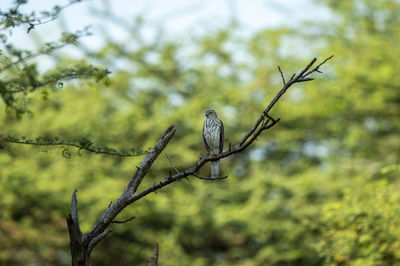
x: 362, y: 228
x: 21, y: 78
x: 19, y: 75
x: 320, y: 188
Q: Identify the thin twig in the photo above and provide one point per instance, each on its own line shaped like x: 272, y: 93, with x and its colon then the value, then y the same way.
x: 305, y: 79
x: 150, y: 158
x: 283, y: 77
x: 249, y: 138
x: 210, y: 178
x: 123, y: 221
x: 267, y: 126
x: 255, y: 126
x: 81, y: 147
x: 125, y: 199
x: 265, y: 122
x: 316, y: 69
x: 97, y: 239
x: 176, y: 170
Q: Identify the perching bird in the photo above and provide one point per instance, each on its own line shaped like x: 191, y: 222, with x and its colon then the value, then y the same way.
x: 213, y: 135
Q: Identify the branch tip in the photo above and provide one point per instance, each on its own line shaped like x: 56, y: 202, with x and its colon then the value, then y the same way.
x: 74, y: 207
x: 282, y: 76
x: 316, y: 69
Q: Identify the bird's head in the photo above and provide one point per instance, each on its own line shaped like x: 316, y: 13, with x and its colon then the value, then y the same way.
x: 211, y: 114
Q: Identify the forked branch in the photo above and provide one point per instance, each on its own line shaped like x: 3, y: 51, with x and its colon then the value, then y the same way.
x: 130, y: 195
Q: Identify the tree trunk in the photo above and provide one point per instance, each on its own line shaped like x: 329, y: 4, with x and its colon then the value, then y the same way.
x: 79, y: 249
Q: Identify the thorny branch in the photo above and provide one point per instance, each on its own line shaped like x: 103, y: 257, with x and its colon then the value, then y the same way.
x: 85, y: 145
x: 130, y: 195
x: 282, y: 76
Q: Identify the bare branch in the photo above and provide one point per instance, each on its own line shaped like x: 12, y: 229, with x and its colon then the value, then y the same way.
x: 150, y: 158
x: 265, y: 122
x: 123, y: 221
x: 73, y: 221
x: 305, y: 79
x: 283, y: 77
x: 176, y: 170
x: 316, y: 69
x: 255, y: 126
x: 130, y: 195
x: 301, y: 74
x: 97, y: 239
x: 292, y: 80
x: 269, y: 125
x: 210, y: 178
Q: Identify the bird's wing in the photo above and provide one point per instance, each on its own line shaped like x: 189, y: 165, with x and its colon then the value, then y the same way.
x: 221, y: 137
x: 204, y: 138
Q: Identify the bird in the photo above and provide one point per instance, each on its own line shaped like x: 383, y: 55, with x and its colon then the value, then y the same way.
x: 213, y: 136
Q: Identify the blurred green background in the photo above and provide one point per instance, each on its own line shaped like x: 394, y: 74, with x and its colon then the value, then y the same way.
x: 320, y: 188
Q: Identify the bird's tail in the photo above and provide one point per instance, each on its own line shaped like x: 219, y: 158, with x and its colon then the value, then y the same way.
x: 215, y: 168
